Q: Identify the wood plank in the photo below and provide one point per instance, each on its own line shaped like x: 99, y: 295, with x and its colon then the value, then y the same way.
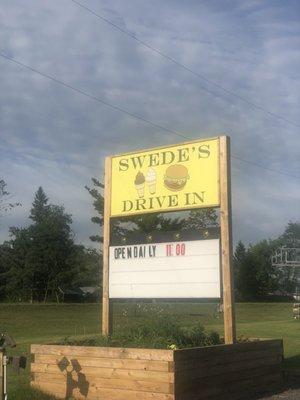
x: 198, y: 352
x: 208, y: 361
x: 202, y: 372
x: 103, y: 393
x: 105, y: 352
x: 226, y: 241
x: 1, y: 376
x: 190, y: 385
x: 96, y: 382
x: 106, y: 312
x: 229, y: 391
x: 145, y: 365
x: 110, y: 373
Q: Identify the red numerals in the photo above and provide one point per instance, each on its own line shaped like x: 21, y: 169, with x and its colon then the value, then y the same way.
x: 175, y: 250
x: 169, y: 250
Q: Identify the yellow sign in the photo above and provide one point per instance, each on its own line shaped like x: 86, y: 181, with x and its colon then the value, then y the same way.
x: 172, y: 178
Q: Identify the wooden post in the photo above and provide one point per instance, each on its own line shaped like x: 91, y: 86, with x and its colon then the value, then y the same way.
x: 226, y: 241
x: 1, y: 375
x: 106, y: 312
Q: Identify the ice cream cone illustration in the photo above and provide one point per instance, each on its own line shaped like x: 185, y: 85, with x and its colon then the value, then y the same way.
x: 139, y: 183
x: 151, y: 180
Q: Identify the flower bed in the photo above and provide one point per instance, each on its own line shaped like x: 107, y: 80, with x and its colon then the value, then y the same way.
x: 106, y: 373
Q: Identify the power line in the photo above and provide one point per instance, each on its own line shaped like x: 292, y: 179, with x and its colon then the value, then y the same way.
x: 264, y: 167
x: 90, y: 96
x: 122, y: 110
x: 179, y: 64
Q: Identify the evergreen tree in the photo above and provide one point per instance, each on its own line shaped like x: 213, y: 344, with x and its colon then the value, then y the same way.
x: 39, y: 260
x: 40, y: 206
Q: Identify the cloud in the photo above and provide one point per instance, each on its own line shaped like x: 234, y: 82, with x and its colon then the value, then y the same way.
x: 56, y: 138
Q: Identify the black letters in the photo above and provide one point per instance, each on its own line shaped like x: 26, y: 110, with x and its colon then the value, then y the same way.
x: 153, y: 160
x: 183, y: 154
x: 167, y: 157
x: 138, y: 161
x: 173, y: 200
x: 194, y: 198
x: 203, y: 151
x: 123, y: 164
x: 127, y: 205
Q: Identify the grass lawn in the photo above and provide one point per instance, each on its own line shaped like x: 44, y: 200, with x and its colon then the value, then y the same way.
x: 32, y: 323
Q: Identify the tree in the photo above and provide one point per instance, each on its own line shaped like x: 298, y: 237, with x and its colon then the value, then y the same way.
x: 291, y: 235
x: 98, y: 203
x: 17, y: 274
x: 40, y: 259
x: 288, y: 277
x: 5, y: 203
x: 202, y: 218
x: 239, y: 260
x: 255, y: 277
x: 40, y: 207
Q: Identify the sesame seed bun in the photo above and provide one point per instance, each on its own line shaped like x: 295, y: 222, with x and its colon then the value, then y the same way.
x: 176, y: 177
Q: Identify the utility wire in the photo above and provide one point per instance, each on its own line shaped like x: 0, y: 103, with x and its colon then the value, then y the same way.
x: 179, y: 64
x: 122, y: 110
x: 91, y: 96
x: 264, y: 167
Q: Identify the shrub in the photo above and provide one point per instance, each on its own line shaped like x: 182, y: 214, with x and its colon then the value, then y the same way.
x: 162, y: 332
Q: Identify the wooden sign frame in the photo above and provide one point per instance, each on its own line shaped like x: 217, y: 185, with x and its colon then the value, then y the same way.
x: 226, y: 243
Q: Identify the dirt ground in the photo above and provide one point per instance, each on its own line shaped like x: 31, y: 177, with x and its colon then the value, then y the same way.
x: 290, y: 391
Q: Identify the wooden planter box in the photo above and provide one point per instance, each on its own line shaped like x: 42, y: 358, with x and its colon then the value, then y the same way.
x: 107, y: 373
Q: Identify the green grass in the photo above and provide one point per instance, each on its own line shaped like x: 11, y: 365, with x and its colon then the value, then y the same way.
x: 34, y: 323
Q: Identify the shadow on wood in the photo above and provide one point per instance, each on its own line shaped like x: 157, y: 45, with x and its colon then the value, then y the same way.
x: 74, y: 378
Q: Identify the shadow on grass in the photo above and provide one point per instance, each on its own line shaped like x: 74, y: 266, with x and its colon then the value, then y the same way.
x: 292, y: 364
x: 26, y: 392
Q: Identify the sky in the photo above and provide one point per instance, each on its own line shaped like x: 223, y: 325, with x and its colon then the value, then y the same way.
x: 53, y: 137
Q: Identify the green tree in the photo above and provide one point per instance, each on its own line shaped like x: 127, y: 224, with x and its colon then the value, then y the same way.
x: 88, y: 267
x: 98, y: 203
x: 17, y: 275
x: 265, y: 274
x: 41, y: 259
x: 40, y: 207
x: 5, y: 198
x: 239, y: 260
x: 201, y: 218
x: 291, y: 235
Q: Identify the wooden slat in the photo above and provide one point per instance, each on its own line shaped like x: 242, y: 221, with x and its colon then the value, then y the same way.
x: 190, y: 385
x: 1, y: 376
x: 111, y: 383
x: 103, y: 394
x: 223, y: 359
x: 105, y: 352
x: 110, y: 373
x: 202, y: 372
x: 144, y: 365
x: 199, y: 352
x: 236, y: 390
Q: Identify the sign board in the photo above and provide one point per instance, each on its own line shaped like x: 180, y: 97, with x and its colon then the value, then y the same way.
x: 165, y: 270
x: 166, y: 179
x: 179, y: 177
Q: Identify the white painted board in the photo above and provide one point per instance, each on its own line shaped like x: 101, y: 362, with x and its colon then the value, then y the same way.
x: 165, y: 270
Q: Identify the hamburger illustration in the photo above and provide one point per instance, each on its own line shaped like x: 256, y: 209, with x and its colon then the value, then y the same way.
x: 176, y: 177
